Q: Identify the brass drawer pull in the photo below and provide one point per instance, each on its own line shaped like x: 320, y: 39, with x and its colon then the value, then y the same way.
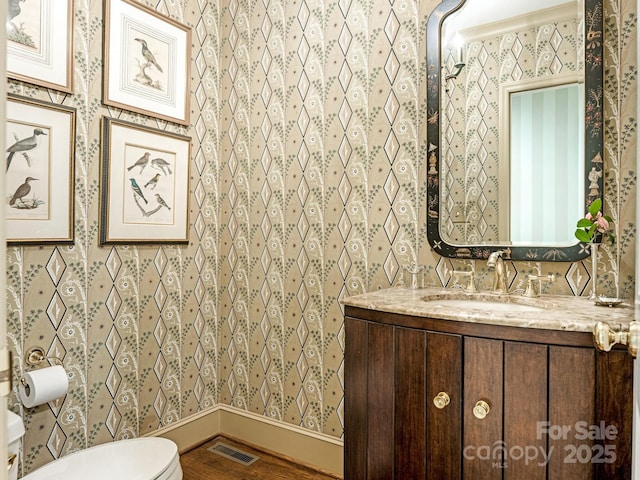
x: 441, y: 400
x: 481, y: 409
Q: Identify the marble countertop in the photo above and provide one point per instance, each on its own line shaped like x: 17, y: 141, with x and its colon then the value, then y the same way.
x: 552, y: 312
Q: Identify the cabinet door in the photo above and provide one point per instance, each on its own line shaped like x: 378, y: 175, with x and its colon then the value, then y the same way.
x: 355, y: 399
x: 614, y: 407
x: 410, y: 405
x: 392, y: 428
x: 571, y: 400
x: 483, y: 379
x: 380, y: 401
x: 590, y: 411
x: 525, y: 407
x: 444, y: 425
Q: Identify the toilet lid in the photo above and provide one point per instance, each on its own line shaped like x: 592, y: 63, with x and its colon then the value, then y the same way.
x: 145, y: 458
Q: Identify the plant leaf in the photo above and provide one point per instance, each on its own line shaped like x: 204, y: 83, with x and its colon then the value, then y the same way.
x: 582, y: 236
x: 595, y: 207
x: 584, y: 223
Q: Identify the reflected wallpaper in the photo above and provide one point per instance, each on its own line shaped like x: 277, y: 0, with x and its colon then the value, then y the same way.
x: 307, y: 184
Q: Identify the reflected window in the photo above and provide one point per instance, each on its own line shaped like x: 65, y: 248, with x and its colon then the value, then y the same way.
x: 547, y: 167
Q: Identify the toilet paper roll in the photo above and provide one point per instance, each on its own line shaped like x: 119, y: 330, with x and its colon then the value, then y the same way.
x: 43, y: 385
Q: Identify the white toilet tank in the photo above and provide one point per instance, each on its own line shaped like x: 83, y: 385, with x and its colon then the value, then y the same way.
x: 15, y: 432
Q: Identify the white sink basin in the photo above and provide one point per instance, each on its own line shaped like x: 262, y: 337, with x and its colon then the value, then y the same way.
x: 487, y: 302
x: 487, y: 306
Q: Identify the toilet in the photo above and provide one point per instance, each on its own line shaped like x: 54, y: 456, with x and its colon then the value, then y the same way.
x: 15, y: 431
x: 144, y: 458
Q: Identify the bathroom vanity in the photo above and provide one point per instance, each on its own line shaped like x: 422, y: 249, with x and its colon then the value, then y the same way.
x: 439, y: 387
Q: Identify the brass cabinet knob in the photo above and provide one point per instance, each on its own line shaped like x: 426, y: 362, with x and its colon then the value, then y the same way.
x: 441, y: 400
x: 481, y: 409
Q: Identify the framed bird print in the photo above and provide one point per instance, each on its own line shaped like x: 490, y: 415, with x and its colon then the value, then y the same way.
x: 144, y: 183
x: 146, y: 62
x: 40, y: 42
x: 39, y: 184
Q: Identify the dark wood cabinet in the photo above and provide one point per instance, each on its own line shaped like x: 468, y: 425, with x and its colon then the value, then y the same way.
x: 522, y: 403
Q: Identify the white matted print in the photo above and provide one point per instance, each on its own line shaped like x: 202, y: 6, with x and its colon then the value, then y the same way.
x: 146, y: 62
x: 145, y: 184
x: 39, y: 171
x: 40, y: 42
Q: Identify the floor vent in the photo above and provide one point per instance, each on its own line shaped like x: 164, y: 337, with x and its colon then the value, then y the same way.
x: 233, y: 453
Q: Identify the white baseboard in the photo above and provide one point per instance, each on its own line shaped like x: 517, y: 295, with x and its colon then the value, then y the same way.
x: 318, y: 450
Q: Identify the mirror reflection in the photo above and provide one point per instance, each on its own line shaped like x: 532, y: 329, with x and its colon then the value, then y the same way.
x: 545, y: 161
x: 511, y: 92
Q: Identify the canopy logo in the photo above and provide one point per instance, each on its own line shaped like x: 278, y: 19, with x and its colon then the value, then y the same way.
x: 576, y: 446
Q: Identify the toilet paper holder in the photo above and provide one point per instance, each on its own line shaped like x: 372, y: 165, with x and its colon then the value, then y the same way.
x: 35, y: 356
x: 45, y: 384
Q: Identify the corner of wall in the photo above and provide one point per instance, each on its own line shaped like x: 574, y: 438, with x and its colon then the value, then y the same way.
x: 309, y: 448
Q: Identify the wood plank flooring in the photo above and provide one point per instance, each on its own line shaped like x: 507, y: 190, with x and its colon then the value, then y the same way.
x: 201, y: 464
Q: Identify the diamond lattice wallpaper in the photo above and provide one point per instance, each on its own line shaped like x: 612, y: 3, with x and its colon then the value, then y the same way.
x: 308, y: 129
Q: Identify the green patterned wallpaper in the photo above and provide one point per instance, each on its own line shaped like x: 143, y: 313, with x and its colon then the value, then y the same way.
x: 307, y: 185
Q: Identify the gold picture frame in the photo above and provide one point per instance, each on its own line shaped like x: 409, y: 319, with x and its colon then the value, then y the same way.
x: 39, y: 171
x: 146, y: 62
x: 40, y: 43
x: 144, y: 184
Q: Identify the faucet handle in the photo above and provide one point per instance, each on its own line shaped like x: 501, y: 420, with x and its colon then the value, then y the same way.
x: 471, y: 286
x: 470, y: 274
x: 531, y: 290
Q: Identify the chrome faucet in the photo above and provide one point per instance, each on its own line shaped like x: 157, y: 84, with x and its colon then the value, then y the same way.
x: 500, y: 274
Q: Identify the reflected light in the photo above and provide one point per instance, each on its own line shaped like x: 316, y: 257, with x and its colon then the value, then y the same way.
x: 457, y: 46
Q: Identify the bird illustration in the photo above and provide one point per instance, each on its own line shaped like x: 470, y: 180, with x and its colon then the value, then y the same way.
x: 22, y: 191
x: 161, y: 164
x: 136, y: 189
x: 161, y: 201
x: 141, y: 162
x: 24, y: 145
x: 14, y: 9
x: 153, y: 182
x: 148, y: 56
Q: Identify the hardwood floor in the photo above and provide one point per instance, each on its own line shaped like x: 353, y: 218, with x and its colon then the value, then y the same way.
x: 202, y: 464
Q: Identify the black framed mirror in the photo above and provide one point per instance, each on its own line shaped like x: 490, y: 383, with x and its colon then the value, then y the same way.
x: 474, y: 161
